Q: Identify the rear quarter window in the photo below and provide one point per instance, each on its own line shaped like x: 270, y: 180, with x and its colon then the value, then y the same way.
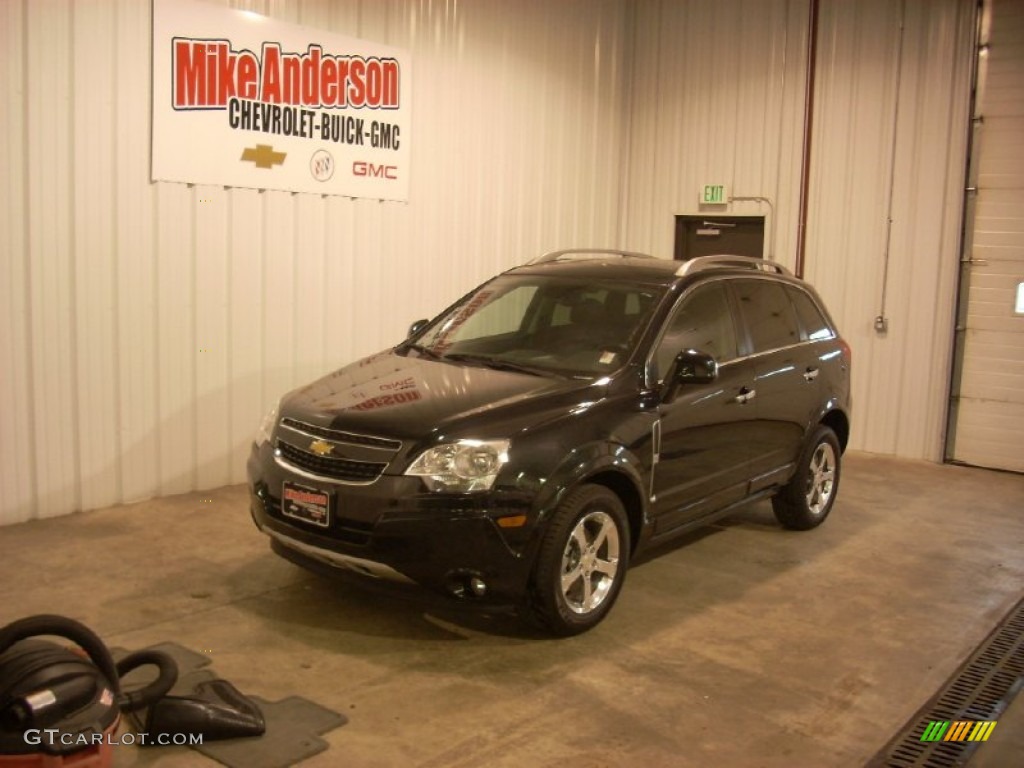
x: 814, y: 324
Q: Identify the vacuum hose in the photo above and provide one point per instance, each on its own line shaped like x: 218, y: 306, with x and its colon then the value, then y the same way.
x: 144, y: 697
x: 88, y: 641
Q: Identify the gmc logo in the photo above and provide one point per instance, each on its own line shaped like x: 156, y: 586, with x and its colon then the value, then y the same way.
x: 360, y: 168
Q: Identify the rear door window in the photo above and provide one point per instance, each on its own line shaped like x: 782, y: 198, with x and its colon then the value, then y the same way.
x: 769, y: 314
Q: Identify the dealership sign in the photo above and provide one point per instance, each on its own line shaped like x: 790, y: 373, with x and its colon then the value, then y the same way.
x: 242, y: 100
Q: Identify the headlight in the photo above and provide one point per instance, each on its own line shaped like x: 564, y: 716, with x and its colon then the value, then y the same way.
x: 465, y: 465
x: 267, y: 427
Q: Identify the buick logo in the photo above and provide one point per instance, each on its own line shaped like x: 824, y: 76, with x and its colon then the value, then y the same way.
x: 321, y: 448
x: 321, y: 165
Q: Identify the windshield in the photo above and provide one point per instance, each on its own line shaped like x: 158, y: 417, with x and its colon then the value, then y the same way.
x: 543, y: 324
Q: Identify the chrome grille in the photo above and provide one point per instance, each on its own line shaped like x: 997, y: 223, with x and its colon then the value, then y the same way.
x: 341, y: 436
x: 346, y: 470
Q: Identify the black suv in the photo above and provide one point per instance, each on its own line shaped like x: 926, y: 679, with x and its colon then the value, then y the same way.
x: 523, y: 446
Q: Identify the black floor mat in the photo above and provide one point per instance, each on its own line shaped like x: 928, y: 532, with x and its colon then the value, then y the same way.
x: 294, y: 724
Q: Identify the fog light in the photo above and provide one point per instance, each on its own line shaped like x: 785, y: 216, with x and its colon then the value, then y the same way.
x: 477, y: 587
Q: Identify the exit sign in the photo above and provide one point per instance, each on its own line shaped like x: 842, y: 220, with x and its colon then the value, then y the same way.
x: 714, y: 194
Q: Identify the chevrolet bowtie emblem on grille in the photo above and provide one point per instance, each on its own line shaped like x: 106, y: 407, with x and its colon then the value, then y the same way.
x: 321, y: 448
x: 263, y: 156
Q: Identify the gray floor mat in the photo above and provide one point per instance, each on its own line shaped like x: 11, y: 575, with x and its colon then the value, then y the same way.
x: 293, y: 728
x: 294, y: 724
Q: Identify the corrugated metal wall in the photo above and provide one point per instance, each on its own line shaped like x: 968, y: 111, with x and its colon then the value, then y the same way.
x: 901, y: 377
x: 719, y: 98
x: 147, y: 327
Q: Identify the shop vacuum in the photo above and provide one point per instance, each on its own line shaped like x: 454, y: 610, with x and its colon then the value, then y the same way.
x: 61, y: 707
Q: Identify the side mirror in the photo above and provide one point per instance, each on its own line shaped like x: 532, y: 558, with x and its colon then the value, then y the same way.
x: 690, y: 367
x: 416, y: 327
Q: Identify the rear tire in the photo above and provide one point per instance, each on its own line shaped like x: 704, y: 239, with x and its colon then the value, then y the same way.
x: 582, y: 561
x: 806, y: 500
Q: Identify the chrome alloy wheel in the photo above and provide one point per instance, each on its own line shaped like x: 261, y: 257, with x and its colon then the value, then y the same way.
x: 821, y: 475
x: 590, y: 562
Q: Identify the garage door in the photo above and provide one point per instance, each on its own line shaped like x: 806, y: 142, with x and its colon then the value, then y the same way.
x: 987, y: 427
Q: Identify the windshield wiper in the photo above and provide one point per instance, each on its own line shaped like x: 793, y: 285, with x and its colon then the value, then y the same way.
x: 498, y: 364
x: 424, y: 351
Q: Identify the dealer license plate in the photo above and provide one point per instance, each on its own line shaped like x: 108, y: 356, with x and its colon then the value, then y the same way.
x: 310, y: 505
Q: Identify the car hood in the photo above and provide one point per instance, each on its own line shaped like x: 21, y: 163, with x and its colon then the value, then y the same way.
x: 392, y: 395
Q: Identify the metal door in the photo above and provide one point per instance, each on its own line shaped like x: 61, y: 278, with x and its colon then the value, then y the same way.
x: 709, y: 235
x: 987, y: 408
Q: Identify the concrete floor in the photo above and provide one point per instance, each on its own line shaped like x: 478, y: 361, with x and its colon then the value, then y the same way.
x: 744, y: 645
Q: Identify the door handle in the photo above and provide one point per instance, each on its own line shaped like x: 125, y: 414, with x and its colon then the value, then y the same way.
x: 745, y: 396
x: 811, y: 374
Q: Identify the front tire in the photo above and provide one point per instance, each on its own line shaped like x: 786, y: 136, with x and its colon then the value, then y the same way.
x: 582, y: 561
x: 806, y: 500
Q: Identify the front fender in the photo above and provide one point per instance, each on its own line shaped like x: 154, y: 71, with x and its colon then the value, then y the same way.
x: 585, y: 462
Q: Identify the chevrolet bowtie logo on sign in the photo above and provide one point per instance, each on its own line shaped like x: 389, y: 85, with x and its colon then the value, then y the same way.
x: 321, y: 448
x: 264, y: 156
x: 959, y: 730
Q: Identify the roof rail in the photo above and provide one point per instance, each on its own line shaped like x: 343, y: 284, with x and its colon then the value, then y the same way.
x: 559, y: 255
x: 702, y: 263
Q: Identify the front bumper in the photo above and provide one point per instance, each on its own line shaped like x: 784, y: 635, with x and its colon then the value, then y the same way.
x: 394, y: 530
